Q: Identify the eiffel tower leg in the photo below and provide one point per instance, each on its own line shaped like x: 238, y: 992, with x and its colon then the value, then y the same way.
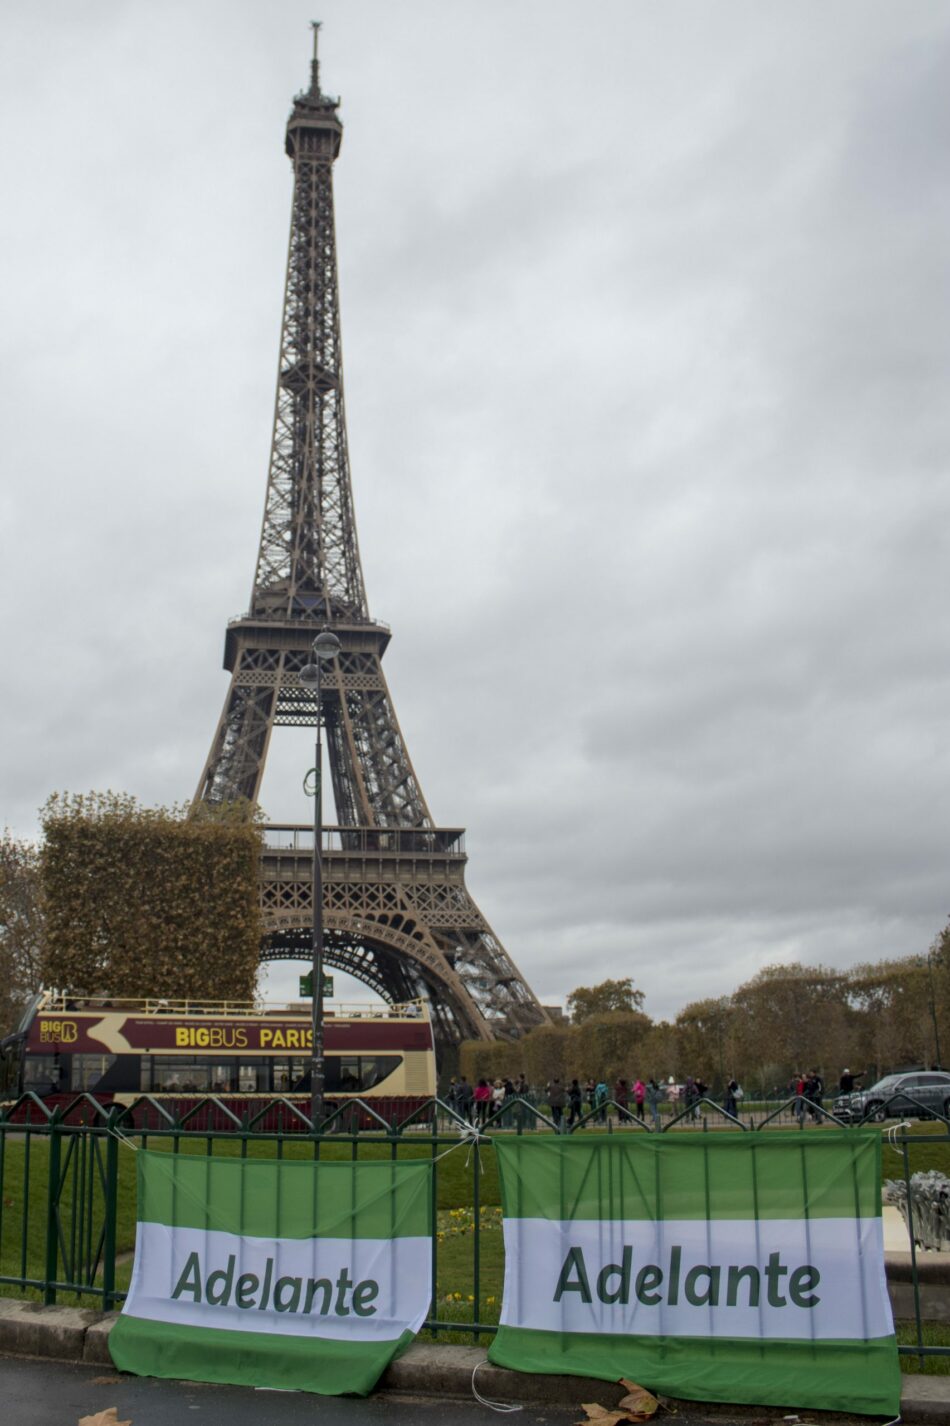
x: 238, y: 752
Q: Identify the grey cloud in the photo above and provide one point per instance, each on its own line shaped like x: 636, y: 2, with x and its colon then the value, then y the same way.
x: 645, y: 327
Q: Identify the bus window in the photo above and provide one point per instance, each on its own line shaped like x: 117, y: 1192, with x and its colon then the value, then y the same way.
x: 253, y: 1076
x: 40, y: 1074
x: 291, y: 1076
x: 179, y: 1076
x: 348, y: 1074
x: 375, y: 1068
x: 88, y: 1070
x: 353, y: 1074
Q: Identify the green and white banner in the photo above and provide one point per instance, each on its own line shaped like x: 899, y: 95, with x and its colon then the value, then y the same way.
x: 717, y: 1267
x: 286, y: 1273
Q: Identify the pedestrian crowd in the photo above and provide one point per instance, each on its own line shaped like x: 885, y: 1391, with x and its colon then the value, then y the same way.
x: 571, y: 1101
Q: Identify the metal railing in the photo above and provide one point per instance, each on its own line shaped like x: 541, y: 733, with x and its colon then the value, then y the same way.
x: 67, y: 1213
x: 366, y: 841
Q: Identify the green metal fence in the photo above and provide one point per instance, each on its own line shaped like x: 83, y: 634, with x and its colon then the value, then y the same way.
x: 67, y: 1185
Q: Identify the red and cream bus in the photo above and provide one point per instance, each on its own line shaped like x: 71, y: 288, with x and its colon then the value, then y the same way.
x: 178, y: 1052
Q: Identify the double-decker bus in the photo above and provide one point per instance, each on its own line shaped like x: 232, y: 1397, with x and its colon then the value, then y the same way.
x: 179, y: 1052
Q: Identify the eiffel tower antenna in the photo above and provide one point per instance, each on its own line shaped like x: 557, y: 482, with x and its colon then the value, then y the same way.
x: 397, y: 913
x: 315, y: 62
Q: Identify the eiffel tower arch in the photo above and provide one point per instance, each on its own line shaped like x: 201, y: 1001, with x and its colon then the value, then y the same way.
x: 397, y: 913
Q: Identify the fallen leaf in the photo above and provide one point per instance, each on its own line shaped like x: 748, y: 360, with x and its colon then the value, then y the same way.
x: 602, y: 1416
x: 104, y: 1418
x: 105, y: 1380
x: 639, y: 1404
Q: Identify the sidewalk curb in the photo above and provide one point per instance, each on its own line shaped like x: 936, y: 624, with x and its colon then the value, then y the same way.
x: 73, y: 1334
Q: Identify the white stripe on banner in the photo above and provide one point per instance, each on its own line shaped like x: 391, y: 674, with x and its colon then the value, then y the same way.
x: 800, y: 1278
x: 361, y: 1289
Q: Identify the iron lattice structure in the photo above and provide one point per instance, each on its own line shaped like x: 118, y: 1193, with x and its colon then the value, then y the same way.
x: 396, y: 909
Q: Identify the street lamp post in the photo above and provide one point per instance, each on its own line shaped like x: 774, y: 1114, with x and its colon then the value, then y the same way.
x: 326, y: 647
x: 933, y: 1002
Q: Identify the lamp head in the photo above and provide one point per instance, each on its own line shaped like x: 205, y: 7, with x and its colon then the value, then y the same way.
x: 326, y: 646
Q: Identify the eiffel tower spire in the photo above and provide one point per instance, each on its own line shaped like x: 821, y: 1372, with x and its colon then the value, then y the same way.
x: 397, y: 912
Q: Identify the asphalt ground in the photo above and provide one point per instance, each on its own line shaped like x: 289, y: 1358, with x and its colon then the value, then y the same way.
x: 43, y: 1393
x: 36, y: 1392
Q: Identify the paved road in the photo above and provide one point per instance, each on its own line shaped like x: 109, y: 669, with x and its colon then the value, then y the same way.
x: 36, y: 1393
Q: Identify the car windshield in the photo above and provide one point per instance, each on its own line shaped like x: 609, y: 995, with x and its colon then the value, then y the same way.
x: 889, y: 1082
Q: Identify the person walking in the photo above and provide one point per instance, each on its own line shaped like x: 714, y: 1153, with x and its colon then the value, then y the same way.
x: 814, y: 1089
x: 654, y: 1097
x: 731, y: 1105
x: 589, y: 1093
x: 482, y: 1097
x: 464, y: 1099
x: 497, y: 1096
x: 639, y: 1095
x: 846, y: 1084
x: 574, y: 1101
x: 801, y: 1080
x: 557, y: 1098
x: 622, y: 1099
x: 601, y: 1095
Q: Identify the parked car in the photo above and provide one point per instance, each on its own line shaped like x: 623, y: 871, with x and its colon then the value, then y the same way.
x: 898, y: 1096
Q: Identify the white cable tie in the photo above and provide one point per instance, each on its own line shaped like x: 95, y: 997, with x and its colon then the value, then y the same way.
x: 503, y: 1406
x: 123, y: 1139
x: 468, y: 1134
x: 890, y: 1133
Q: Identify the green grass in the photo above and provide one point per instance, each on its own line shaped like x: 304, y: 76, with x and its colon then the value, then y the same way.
x: 934, y: 1334
x: 455, y: 1294
x: 920, y: 1156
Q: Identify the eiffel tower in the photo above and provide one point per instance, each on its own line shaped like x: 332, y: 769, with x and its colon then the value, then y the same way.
x: 397, y: 914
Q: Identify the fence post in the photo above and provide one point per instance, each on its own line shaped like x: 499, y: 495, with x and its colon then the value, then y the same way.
x: 477, y: 1245
x: 111, y: 1204
x: 52, y: 1204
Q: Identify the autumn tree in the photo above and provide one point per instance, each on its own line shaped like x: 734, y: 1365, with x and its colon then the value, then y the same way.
x: 21, y: 927
x: 893, y: 1004
x: 608, y: 1046
x: 490, y: 1059
x: 792, y: 1017
x: 788, y: 1017
x: 705, y: 1041
x: 150, y: 901
x: 658, y: 1052
x: 603, y: 999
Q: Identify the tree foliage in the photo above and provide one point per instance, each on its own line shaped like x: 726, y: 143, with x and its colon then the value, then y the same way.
x: 787, y: 1018
x: 150, y: 901
x: 21, y: 926
x: 603, y: 999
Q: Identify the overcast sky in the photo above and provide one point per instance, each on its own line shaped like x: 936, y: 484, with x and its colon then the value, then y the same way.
x: 646, y: 325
